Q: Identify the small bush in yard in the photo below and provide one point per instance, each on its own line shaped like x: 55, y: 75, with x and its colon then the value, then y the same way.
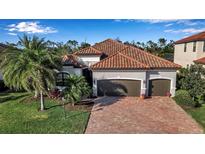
x: 182, y: 97
x: 76, y: 88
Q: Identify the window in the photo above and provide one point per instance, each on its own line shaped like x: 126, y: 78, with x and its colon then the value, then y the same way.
x: 204, y: 47
x: 194, y: 47
x: 61, y: 79
x: 185, y: 47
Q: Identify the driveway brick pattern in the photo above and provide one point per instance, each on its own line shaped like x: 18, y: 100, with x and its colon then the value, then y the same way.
x: 127, y: 115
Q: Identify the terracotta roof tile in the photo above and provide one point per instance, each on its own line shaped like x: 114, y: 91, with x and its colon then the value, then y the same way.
x: 196, y: 37
x: 119, y: 61
x: 154, y: 62
x: 88, y: 51
x: 72, y: 60
x: 200, y: 60
x: 129, y: 56
x: 109, y: 46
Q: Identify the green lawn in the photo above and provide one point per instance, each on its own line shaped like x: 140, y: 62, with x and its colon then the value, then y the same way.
x: 18, y: 116
x: 197, y: 113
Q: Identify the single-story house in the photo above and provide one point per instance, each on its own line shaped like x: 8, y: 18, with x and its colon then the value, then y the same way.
x: 115, y: 69
x: 119, y: 69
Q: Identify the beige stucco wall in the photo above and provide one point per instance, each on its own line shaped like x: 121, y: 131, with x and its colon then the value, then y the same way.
x: 142, y: 75
x: 186, y: 58
x: 90, y: 59
x: 199, y: 49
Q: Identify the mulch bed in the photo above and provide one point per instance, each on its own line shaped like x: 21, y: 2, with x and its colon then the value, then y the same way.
x: 82, y: 106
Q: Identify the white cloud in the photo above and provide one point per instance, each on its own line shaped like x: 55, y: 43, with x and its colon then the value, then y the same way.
x: 117, y: 20
x: 155, y: 21
x: 168, y: 25
x: 30, y: 27
x: 170, y: 22
x: 188, y: 22
x: 14, y: 34
x: 167, y: 22
x: 186, y: 30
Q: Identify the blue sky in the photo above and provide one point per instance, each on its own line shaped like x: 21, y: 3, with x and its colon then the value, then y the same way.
x: 97, y: 30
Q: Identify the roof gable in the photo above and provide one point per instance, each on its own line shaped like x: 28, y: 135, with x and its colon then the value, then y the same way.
x: 109, y: 46
x: 88, y: 51
x: 72, y: 60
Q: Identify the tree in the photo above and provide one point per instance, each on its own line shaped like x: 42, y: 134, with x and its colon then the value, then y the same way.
x: 161, y: 48
x: 76, y: 88
x: 193, y: 81
x: 84, y: 45
x: 118, y: 40
x: 34, y: 43
x: 29, y: 68
x: 73, y: 44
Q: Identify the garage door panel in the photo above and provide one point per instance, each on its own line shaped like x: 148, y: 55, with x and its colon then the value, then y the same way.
x: 159, y: 87
x: 118, y: 87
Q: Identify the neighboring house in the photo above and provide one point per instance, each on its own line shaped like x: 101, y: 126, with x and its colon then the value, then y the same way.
x: 119, y: 69
x: 190, y: 50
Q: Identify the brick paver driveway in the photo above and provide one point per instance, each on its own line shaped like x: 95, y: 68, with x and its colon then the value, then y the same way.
x: 133, y: 115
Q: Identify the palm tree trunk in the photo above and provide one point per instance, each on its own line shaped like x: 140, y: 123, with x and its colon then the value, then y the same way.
x: 42, y: 101
x: 36, y: 94
x: 73, y: 103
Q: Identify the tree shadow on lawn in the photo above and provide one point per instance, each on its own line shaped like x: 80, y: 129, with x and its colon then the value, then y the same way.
x: 11, y: 98
x: 81, y: 106
x: 3, y: 94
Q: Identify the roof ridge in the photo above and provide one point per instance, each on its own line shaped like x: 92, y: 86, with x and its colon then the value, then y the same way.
x: 167, y: 61
x: 121, y: 54
x: 132, y: 59
x: 90, y: 47
x: 110, y: 40
x: 104, y: 59
x: 96, y: 49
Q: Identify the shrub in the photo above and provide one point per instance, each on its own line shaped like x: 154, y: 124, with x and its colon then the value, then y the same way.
x: 76, y: 88
x: 182, y: 97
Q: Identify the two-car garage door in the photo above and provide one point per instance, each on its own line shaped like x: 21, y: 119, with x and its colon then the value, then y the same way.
x: 118, y: 87
x: 124, y: 87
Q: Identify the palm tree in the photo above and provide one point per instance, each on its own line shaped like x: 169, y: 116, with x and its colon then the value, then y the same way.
x: 76, y: 88
x: 30, y: 68
x: 34, y: 43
